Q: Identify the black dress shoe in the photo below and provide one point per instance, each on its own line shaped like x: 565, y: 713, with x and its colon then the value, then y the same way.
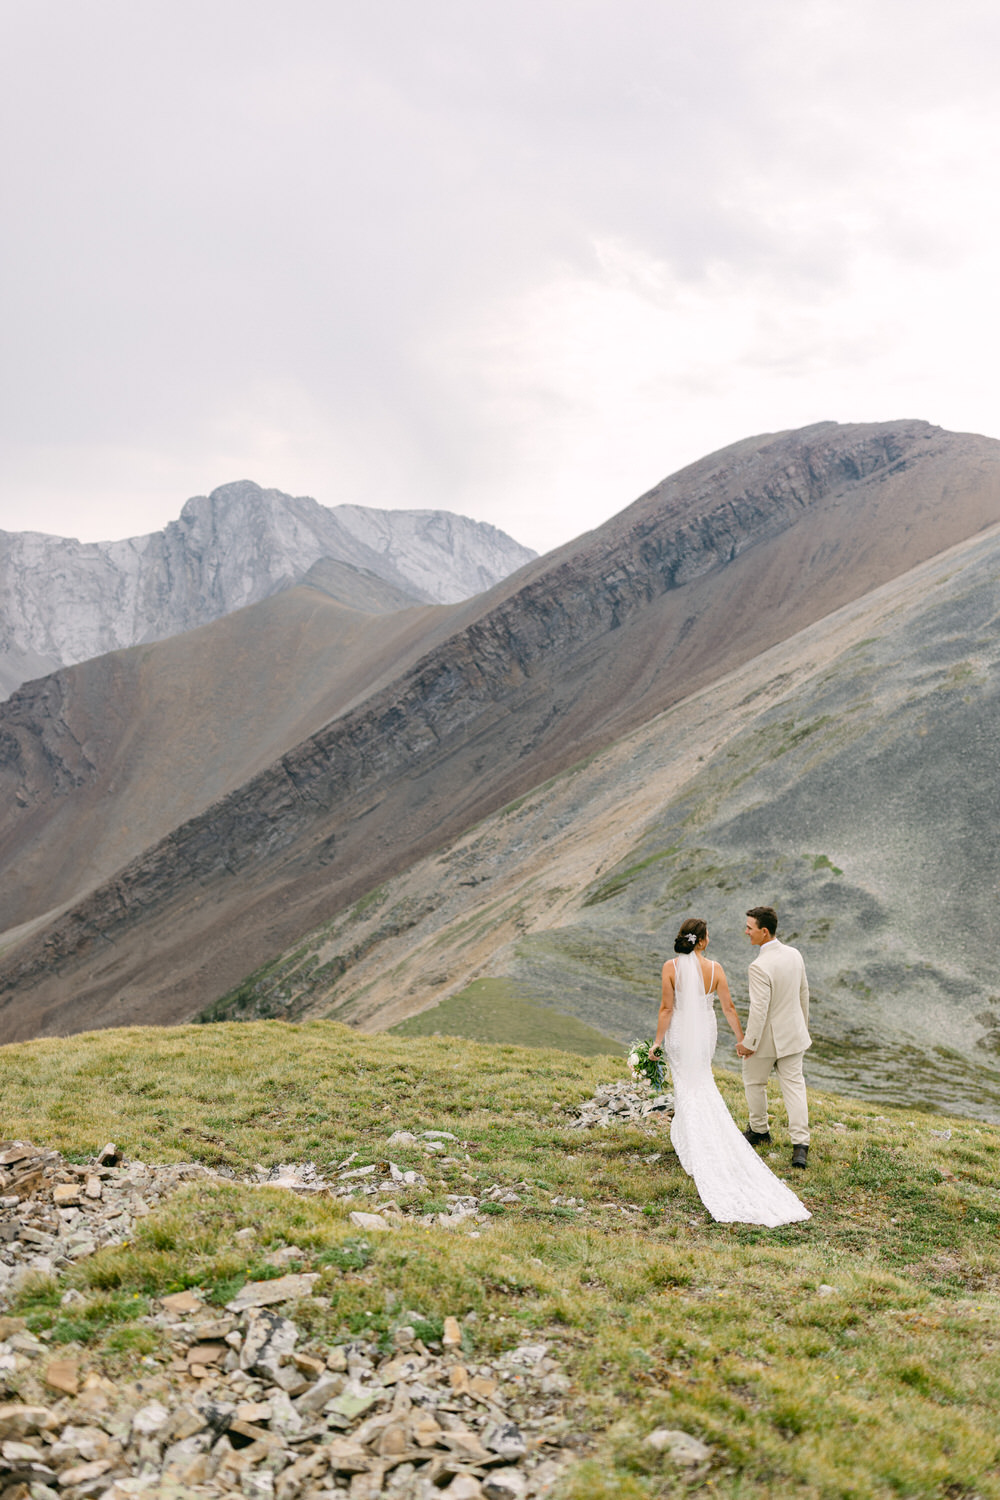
x: 800, y: 1155
x: 757, y: 1137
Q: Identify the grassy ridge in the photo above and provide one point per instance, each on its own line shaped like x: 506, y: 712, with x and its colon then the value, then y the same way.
x: 851, y: 1355
x: 494, y: 1010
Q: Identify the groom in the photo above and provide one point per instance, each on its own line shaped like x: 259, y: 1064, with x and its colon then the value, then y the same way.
x: 777, y: 1032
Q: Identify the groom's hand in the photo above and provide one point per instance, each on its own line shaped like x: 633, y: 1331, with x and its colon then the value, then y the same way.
x: 742, y: 1051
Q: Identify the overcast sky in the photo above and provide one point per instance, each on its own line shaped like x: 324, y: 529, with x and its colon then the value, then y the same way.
x: 514, y: 258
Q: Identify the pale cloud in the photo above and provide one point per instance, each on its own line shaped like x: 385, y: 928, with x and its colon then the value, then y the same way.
x: 513, y: 259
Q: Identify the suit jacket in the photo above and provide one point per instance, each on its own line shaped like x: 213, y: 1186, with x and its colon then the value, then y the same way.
x: 778, y: 1021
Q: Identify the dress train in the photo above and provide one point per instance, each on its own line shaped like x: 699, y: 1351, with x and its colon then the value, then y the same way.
x: 734, y: 1184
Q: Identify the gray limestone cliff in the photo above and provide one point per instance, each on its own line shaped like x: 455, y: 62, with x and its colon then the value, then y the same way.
x: 64, y: 601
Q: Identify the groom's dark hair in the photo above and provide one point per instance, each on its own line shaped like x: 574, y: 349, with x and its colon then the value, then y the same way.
x: 765, y: 916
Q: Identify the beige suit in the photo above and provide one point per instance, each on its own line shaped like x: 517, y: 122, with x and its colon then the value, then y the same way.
x: 778, y: 1031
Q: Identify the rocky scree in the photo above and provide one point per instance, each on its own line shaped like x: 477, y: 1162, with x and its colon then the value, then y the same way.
x: 246, y: 1406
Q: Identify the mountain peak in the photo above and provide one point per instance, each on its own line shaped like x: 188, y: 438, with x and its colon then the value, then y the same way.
x: 233, y: 547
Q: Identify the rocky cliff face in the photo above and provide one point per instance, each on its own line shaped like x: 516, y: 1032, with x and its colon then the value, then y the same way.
x: 65, y: 601
x: 717, y: 564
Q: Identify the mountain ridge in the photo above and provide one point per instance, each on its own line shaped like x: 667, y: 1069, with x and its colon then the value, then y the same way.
x: 572, y: 653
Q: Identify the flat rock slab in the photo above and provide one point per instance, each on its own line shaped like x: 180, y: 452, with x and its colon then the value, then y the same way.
x: 17, y: 1420
x: 681, y: 1446
x: 63, y: 1375
x: 502, y: 1484
x: 181, y: 1302
x: 371, y: 1222
x: 282, y: 1289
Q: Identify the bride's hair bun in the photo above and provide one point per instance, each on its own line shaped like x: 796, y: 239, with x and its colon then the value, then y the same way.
x: 691, y: 933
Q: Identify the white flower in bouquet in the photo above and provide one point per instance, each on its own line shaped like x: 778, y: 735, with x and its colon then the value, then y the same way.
x: 645, y: 1069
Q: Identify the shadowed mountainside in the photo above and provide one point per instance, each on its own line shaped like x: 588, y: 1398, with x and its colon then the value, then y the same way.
x: 716, y: 565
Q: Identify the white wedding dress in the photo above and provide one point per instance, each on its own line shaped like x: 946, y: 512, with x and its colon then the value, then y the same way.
x: 733, y: 1183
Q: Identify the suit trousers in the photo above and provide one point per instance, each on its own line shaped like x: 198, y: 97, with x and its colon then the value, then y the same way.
x: 756, y: 1071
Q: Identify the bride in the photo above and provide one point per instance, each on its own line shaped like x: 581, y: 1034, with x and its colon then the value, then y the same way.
x: 732, y: 1181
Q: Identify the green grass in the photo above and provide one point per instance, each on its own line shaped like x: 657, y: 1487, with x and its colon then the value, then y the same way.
x: 622, y: 879
x: 853, y: 1355
x: 497, y: 1010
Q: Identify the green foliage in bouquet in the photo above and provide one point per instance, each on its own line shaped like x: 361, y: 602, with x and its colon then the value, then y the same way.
x: 646, y: 1069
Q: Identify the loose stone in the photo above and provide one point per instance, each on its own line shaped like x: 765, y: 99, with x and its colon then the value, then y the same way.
x: 239, y: 1407
x: 681, y: 1446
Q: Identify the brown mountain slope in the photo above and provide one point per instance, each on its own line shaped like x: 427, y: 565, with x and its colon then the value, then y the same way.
x: 723, y: 560
x: 104, y: 759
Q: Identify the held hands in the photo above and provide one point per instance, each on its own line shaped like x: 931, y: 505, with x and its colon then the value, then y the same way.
x: 744, y: 1051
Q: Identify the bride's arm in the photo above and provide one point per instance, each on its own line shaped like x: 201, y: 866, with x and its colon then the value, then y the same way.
x: 666, y: 1005
x: 726, y: 1001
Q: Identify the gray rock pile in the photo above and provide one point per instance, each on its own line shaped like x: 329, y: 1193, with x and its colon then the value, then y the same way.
x: 53, y: 1213
x: 620, y: 1104
x: 252, y: 1409
x: 247, y: 1405
x: 384, y: 1180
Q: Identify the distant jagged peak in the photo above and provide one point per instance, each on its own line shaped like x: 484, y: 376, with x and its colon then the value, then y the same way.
x: 242, y: 500
x: 236, y: 492
x: 444, y: 523
x: 63, y: 601
x: 408, y: 546
x: 411, y: 541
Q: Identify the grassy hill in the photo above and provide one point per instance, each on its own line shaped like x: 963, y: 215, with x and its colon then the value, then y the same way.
x: 854, y: 1355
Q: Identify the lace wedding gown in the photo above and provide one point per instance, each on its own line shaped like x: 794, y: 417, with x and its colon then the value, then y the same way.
x: 733, y: 1183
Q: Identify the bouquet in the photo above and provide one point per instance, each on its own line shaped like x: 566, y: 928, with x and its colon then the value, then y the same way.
x: 646, y: 1069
